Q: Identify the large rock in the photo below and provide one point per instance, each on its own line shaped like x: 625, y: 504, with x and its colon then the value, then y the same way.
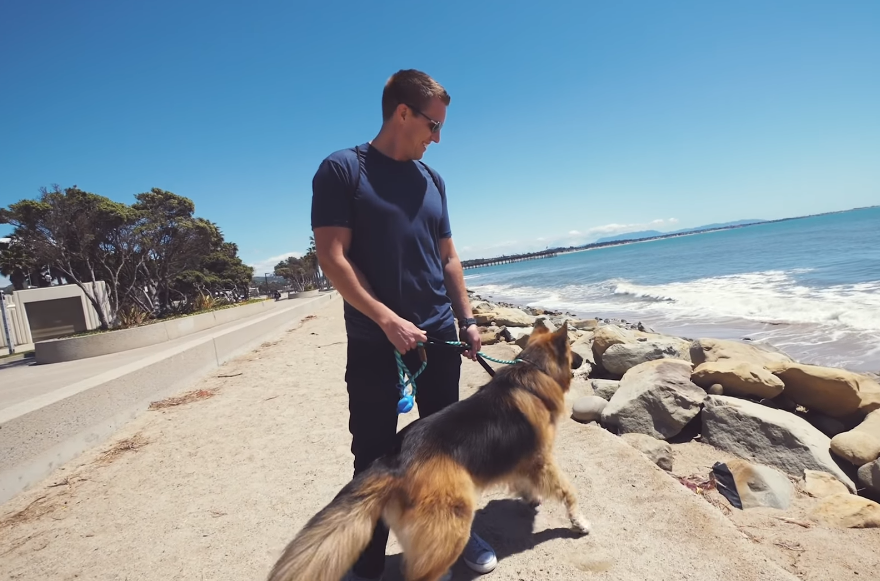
x: 588, y: 408
x: 584, y: 324
x: 857, y: 448
x: 769, y: 436
x: 609, y: 335
x: 655, y: 398
x: 869, y: 476
x: 760, y: 486
x: 835, y: 392
x: 822, y: 484
x: 620, y: 358
x: 738, y: 378
x: 657, y: 451
x: 605, y: 388
x: 847, y: 511
x: 711, y: 350
x: 507, y: 317
x: 584, y: 348
x: 545, y: 322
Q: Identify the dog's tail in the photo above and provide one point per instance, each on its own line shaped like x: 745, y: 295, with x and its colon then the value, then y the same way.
x: 330, y: 543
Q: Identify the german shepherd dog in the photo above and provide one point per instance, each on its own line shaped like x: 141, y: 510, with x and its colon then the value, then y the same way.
x: 427, y: 489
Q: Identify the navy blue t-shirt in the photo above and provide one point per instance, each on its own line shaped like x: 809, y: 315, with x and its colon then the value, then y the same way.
x: 397, y: 217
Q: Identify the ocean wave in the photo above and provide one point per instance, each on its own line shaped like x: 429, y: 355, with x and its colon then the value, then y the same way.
x: 765, y: 297
x: 837, y: 324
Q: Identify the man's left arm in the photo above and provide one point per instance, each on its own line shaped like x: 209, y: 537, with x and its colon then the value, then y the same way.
x: 453, y: 276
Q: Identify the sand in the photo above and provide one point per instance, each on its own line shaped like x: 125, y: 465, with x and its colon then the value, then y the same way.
x: 213, y: 488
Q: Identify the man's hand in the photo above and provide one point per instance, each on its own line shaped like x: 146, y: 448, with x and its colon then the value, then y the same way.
x: 471, y: 335
x: 403, y: 334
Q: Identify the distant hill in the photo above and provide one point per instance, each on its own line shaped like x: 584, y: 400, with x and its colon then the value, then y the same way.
x: 651, y: 233
x: 632, y: 236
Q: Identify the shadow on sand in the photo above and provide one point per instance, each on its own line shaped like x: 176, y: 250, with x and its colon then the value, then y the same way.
x: 505, y: 524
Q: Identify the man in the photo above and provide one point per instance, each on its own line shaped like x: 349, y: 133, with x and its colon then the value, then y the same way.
x: 383, y: 238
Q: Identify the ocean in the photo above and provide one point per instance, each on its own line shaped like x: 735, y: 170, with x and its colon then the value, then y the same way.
x: 809, y: 286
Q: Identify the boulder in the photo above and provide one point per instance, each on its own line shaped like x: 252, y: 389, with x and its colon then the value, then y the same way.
x: 506, y: 316
x: 822, y: 484
x: 834, y: 392
x: 738, y: 378
x: 480, y: 307
x: 605, y: 388
x: 609, y: 335
x: 857, y: 448
x: 760, y: 486
x: 584, y: 324
x: 715, y: 389
x: 861, y: 444
x: 588, y: 408
x: 517, y: 332
x: 584, y: 347
x: 869, y: 476
x: 712, y: 350
x: 620, y: 358
x: 773, y: 437
x: 489, y: 336
x: 655, y: 398
x: 657, y: 451
x: 847, y: 511
x: 545, y: 322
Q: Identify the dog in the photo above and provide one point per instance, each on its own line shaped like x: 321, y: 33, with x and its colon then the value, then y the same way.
x: 428, y: 488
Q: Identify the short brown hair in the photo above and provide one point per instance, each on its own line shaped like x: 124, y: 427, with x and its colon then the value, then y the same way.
x: 410, y: 87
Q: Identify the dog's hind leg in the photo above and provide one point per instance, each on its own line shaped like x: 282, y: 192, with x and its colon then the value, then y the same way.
x: 550, y: 481
x: 433, y: 534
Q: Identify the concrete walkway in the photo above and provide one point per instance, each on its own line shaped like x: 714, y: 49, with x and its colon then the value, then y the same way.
x: 49, y: 414
x: 24, y: 379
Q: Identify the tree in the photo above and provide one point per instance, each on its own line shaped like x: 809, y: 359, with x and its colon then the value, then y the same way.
x: 174, y: 243
x: 84, y: 236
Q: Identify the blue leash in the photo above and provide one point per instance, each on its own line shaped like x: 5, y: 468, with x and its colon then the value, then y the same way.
x: 407, y: 380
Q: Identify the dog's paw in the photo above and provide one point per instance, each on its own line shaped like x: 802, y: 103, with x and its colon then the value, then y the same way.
x: 581, y: 524
x: 532, y: 502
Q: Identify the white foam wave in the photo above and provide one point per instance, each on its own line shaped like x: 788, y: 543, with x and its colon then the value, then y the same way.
x: 771, y: 305
x: 767, y: 297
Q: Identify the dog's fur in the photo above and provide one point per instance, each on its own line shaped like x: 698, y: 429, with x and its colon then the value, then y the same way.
x: 427, y: 489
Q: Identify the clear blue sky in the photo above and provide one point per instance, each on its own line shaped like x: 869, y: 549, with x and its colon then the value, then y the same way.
x: 569, y: 120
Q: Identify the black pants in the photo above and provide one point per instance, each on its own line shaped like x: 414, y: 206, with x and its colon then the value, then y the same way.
x: 371, y: 375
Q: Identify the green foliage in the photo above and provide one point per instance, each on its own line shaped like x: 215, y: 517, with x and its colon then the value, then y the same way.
x: 155, y: 256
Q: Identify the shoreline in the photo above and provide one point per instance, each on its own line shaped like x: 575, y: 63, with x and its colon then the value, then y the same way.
x: 740, y: 330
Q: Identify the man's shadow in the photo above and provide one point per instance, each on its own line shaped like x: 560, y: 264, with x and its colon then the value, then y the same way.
x: 507, y: 526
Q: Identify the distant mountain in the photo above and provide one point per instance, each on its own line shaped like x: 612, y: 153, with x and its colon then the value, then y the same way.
x: 631, y: 236
x: 652, y: 233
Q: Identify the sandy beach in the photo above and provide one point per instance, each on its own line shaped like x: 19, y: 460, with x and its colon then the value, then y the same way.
x: 214, y: 488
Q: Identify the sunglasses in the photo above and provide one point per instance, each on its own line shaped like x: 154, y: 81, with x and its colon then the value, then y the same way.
x: 435, y: 126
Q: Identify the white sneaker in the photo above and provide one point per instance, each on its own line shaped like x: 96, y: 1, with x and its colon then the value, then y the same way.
x: 478, y: 555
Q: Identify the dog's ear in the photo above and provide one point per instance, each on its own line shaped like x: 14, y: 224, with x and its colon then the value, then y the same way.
x: 538, y: 330
x: 560, y: 339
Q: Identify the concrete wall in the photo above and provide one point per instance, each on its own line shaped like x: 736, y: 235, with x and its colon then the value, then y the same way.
x: 73, y: 348
x: 43, y: 433
x: 18, y: 313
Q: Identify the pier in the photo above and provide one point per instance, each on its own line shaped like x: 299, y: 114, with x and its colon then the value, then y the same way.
x: 478, y: 262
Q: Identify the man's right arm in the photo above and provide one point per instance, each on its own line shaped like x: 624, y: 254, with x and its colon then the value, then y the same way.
x: 332, y: 244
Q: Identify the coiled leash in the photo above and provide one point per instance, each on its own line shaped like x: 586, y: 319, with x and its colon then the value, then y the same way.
x: 406, y: 384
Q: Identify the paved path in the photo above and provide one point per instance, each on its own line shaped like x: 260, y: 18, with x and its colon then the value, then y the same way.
x: 24, y: 379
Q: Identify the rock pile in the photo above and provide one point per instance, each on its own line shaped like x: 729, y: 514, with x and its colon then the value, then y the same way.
x: 818, y: 426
